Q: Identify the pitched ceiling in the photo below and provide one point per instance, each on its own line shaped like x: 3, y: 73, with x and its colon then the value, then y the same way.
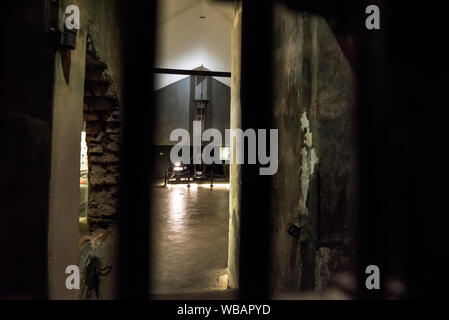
x: 191, y: 33
x: 168, y: 9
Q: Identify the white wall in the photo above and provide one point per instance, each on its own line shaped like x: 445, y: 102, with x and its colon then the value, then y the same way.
x: 185, y: 41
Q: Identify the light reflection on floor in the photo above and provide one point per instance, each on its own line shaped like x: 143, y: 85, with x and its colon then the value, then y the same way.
x: 189, y: 238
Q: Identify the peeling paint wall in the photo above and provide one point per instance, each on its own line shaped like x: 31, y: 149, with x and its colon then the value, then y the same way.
x: 309, y: 160
x: 314, y: 186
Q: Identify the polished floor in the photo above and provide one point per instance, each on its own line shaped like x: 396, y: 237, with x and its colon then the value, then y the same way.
x: 189, y: 239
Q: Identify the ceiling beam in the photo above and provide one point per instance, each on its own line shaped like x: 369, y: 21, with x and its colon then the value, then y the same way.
x: 206, y: 73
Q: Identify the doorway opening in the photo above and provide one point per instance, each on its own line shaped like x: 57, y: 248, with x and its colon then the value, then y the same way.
x: 190, y: 199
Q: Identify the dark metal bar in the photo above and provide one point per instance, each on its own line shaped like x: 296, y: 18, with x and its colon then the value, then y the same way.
x: 193, y: 72
x: 137, y: 159
x: 374, y: 114
x: 256, y: 101
x: 404, y: 171
x: 418, y: 197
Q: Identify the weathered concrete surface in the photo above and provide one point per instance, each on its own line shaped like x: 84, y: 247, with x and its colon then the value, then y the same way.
x: 235, y: 171
x: 65, y: 169
x: 314, y: 186
x: 335, y: 188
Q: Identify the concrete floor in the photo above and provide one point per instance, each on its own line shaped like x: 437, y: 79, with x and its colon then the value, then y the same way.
x: 189, y: 239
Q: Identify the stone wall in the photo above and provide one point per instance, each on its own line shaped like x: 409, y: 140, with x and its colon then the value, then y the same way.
x: 102, y: 116
x: 102, y: 101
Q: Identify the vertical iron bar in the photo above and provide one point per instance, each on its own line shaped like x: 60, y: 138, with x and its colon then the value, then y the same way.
x: 375, y: 112
x: 136, y: 157
x: 256, y: 101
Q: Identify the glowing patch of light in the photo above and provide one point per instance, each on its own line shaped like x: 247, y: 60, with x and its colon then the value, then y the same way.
x: 225, y: 153
x: 176, y: 209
